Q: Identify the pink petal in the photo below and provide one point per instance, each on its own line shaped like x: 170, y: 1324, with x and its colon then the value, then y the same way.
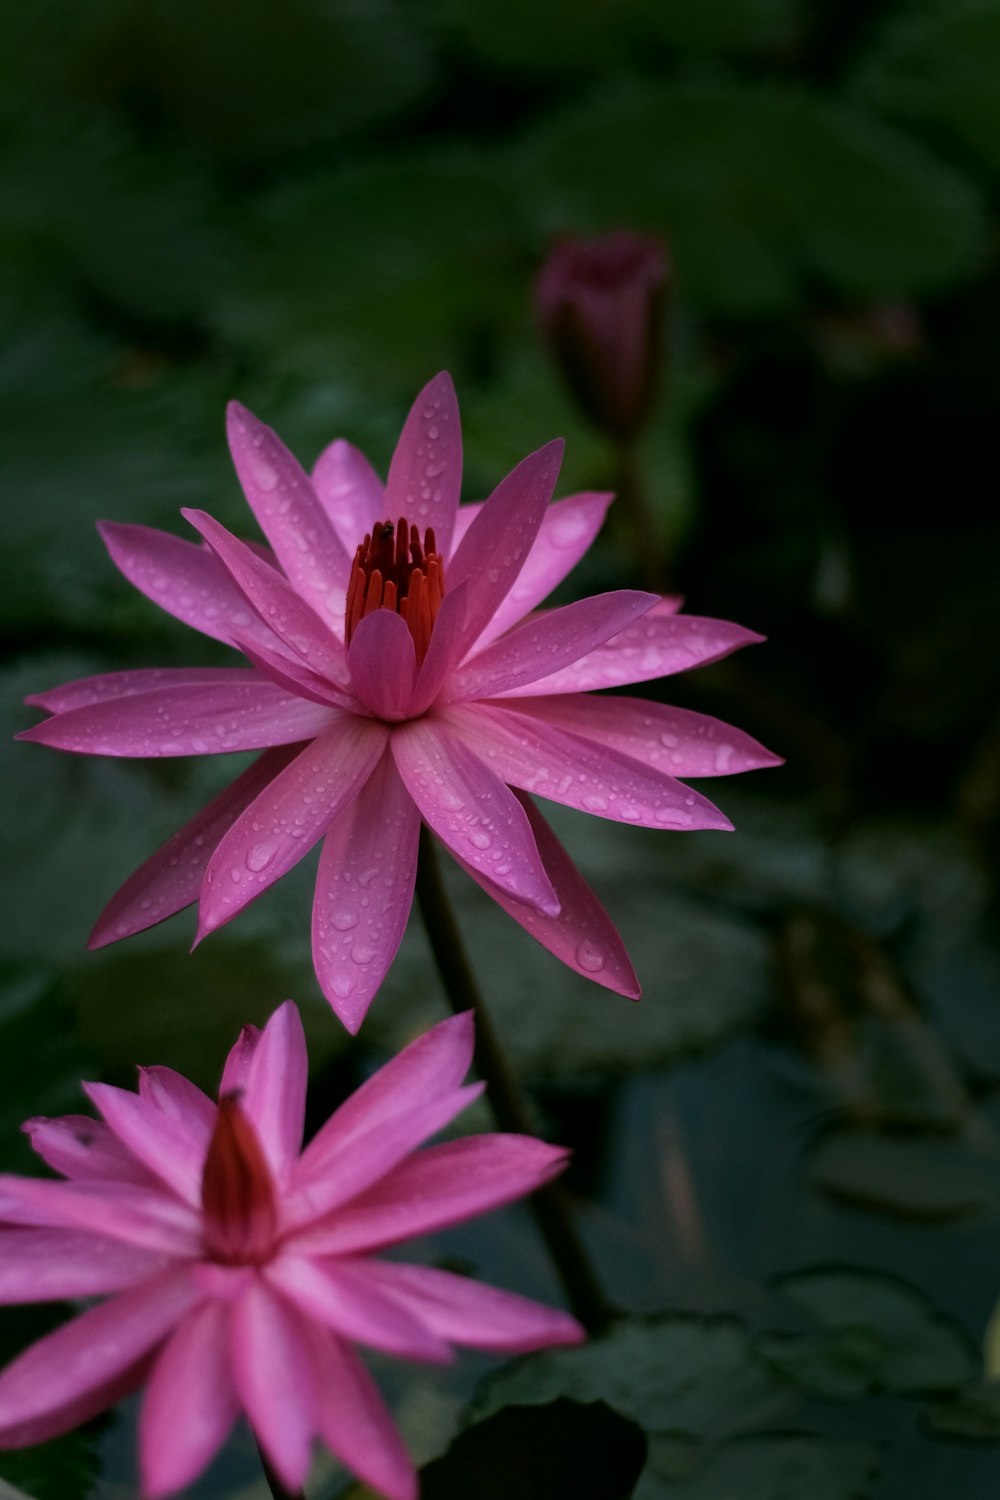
x: 171, y: 878
x: 434, y: 1188
x: 354, y: 1422
x: 498, y: 541
x: 467, y: 1312
x: 76, y: 1371
x: 547, y: 643
x: 444, y: 651
x: 295, y: 676
x: 342, y: 1299
x: 275, y: 1091
x: 85, y: 1149
x: 464, y: 517
x: 470, y: 809
x: 582, y: 936
x: 425, y: 476
x: 163, y: 1144
x: 184, y: 579
x: 190, y: 1403
x: 383, y: 664
x: 674, y: 740
x: 245, y: 713
x: 144, y: 1216
x: 180, y: 1099
x: 275, y: 1380
x: 237, y: 1068
x: 288, y: 816
x: 110, y: 685
x: 281, y: 496
x: 350, y: 492
x: 548, y: 762
x: 48, y: 1265
x: 658, y: 645
x: 364, y: 890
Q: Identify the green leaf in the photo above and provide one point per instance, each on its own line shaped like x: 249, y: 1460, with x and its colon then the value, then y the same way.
x: 777, y: 1467
x: 920, y: 1179
x: 971, y: 1416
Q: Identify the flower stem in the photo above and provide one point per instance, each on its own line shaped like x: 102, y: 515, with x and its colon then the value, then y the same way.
x: 647, y: 551
x: 550, y: 1204
x: 274, y: 1484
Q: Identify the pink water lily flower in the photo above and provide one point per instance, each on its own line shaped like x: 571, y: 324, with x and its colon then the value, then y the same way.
x: 400, y: 671
x: 242, y: 1268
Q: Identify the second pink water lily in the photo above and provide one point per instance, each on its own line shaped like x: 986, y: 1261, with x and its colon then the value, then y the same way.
x: 399, y: 671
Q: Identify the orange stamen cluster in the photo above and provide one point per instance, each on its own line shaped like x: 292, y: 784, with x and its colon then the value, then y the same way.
x: 393, y: 570
x: 237, y: 1190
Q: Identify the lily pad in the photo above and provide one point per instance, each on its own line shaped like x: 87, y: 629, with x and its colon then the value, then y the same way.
x: 921, y: 1179
x: 776, y: 1467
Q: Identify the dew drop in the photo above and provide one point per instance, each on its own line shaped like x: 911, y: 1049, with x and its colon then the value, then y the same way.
x: 260, y: 856
x: 590, y: 957
x: 344, y: 919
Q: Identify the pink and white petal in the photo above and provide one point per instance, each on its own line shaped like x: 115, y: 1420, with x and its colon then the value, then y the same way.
x: 237, y: 1068
x: 275, y: 1093
x: 433, y: 1065
x: 355, y: 1423
x: 498, y: 542
x: 425, y: 476
x: 364, y: 891
x: 467, y: 1312
x: 434, y: 1188
x: 287, y: 818
x: 190, y: 1403
x: 180, y: 1099
x: 49, y: 1265
x: 675, y: 740
x: 546, y: 644
x: 163, y: 1144
x: 342, y: 1299
x: 568, y: 528
x: 582, y: 936
x: 470, y: 808
x: 84, y: 1149
x: 444, y: 651
x: 245, y: 713
x: 171, y: 878
x: 658, y: 645
x: 108, y: 686
x: 350, y: 492
x: 138, y: 1215
x: 80, y: 1365
x: 549, y: 762
x: 281, y: 496
x: 275, y: 1379
x: 383, y: 664
x: 183, y: 578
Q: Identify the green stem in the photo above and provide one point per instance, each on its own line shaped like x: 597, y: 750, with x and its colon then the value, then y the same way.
x: 550, y: 1204
x: 650, y: 563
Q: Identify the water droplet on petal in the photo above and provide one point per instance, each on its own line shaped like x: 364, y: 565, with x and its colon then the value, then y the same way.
x: 590, y: 957
x: 344, y: 919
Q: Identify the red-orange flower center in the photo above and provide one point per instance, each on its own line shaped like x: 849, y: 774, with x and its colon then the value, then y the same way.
x: 237, y: 1190
x: 393, y: 569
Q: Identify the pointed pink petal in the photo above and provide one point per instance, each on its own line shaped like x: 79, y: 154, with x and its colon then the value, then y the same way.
x: 84, y: 1149
x: 383, y: 664
x: 444, y: 651
x: 162, y: 1143
x: 343, y: 1300
x: 364, y: 890
x: 237, y: 1068
x: 49, y: 1265
x: 282, y: 497
x: 275, y: 1379
x: 434, y: 1188
x: 145, y: 1216
x: 184, y: 579
x: 182, y: 1100
x: 350, y: 492
x: 425, y: 476
x: 674, y: 740
x: 498, y: 541
x: 582, y: 936
x: 190, y: 1403
x: 549, y: 762
x: 470, y: 809
x: 245, y: 713
x: 658, y: 645
x: 79, y: 1367
x: 467, y: 1312
x: 353, y: 1420
x: 275, y: 1092
x: 171, y: 878
x: 294, y: 676
x: 110, y: 685
x: 546, y: 644
x: 289, y: 815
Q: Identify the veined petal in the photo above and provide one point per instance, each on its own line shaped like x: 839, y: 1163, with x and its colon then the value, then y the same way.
x: 549, y: 762
x: 349, y: 491
x: 107, y: 686
x: 470, y: 809
x: 180, y: 1099
x: 383, y: 664
x: 274, y: 1098
x: 171, y: 878
x: 145, y: 1216
x: 275, y: 1379
x: 282, y: 498
x: 498, y: 541
x: 285, y: 820
x: 190, y: 1403
x: 467, y: 1312
x: 163, y: 1144
x: 353, y: 1419
x: 345, y: 1301
x: 245, y: 713
x: 49, y: 1265
x: 546, y: 644
x: 425, y: 476
x: 364, y: 890
x: 84, y: 1149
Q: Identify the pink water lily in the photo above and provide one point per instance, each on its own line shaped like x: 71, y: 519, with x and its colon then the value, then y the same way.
x: 400, y: 672
x: 242, y: 1269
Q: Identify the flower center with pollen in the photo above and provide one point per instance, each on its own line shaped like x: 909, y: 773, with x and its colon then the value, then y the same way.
x: 393, y: 569
x: 237, y: 1191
